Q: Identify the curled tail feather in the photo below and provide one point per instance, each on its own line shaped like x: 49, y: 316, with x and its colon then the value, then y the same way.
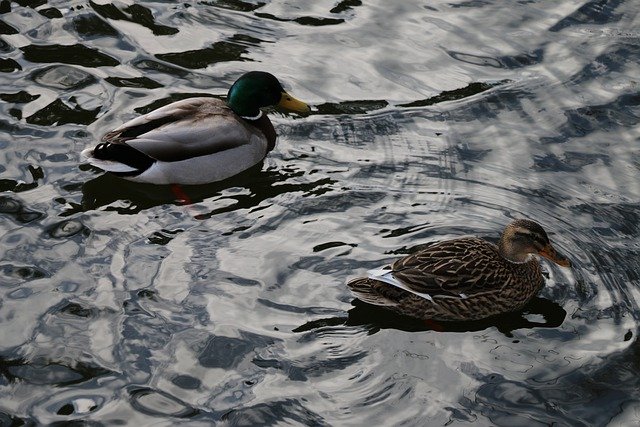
x: 119, y: 159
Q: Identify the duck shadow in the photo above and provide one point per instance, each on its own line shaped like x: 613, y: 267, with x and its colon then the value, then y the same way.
x: 127, y: 197
x: 376, y: 318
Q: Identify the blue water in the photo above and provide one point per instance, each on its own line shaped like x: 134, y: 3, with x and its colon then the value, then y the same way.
x: 121, y: 304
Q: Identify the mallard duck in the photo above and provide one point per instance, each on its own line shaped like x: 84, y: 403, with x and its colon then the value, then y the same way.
x: 197, y: 140
x: 463, y: 279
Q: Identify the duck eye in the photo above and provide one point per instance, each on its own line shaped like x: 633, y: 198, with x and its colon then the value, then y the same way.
x: 522, y: 235
x: 540, y: 242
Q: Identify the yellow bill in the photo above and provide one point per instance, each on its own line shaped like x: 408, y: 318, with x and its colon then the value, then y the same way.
x: 288, y: 102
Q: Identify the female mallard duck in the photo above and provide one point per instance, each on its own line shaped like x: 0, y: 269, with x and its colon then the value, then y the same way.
x: 463, y: 279
x: 197, y: 140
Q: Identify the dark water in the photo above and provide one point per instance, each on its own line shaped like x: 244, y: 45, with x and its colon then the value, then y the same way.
x: 120, y: 304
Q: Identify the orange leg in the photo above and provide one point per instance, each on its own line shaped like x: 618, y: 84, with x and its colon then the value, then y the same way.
x: 177, y: 190
x: 434, y: 325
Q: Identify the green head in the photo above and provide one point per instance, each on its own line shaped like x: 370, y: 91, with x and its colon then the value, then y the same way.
x: 257, y: 89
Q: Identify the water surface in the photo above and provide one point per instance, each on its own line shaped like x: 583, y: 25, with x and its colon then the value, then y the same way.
x: 119, y: 303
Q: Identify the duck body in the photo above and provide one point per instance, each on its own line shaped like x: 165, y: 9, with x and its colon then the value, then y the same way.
x: 193, y: 141
x: 463, y: 279
x: 196, y: 140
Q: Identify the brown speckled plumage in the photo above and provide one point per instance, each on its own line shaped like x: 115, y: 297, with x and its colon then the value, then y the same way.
x: 466, y: 278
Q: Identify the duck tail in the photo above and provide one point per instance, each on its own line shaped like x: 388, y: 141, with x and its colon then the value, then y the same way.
x: 119, y: 159
x: 106, y: 165
x: 367, y: 290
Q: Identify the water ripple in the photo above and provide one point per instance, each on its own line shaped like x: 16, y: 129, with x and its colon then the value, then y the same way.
x: 225, y: 303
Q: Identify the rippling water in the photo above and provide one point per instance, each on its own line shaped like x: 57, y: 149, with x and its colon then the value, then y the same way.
x: 121, y: 304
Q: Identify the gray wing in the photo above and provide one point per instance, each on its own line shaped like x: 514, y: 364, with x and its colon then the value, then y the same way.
x: 184, y: 129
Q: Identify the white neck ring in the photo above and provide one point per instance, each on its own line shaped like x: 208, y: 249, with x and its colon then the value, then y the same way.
x: 256, y: 117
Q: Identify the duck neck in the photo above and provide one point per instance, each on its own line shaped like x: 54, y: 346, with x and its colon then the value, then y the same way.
x: 243, y: 107
x: 266, y: 127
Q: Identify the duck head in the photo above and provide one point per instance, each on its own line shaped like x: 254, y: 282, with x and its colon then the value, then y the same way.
x: 257, y: 89
x: 524, y: 237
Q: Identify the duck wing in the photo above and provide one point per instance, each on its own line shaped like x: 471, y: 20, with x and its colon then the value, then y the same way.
x: 184, y: 129
x: 456, y: 267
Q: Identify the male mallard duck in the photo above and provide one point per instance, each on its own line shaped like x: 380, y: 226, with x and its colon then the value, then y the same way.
x: 197, y: 140
x: 465, y: 278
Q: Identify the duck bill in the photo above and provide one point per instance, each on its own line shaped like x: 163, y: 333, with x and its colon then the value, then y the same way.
x: 288, y: 102
x: 550, y: 253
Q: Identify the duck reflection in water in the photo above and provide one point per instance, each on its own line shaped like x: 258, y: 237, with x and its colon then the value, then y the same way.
x: 538, y: 313
x: 108, y: 189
